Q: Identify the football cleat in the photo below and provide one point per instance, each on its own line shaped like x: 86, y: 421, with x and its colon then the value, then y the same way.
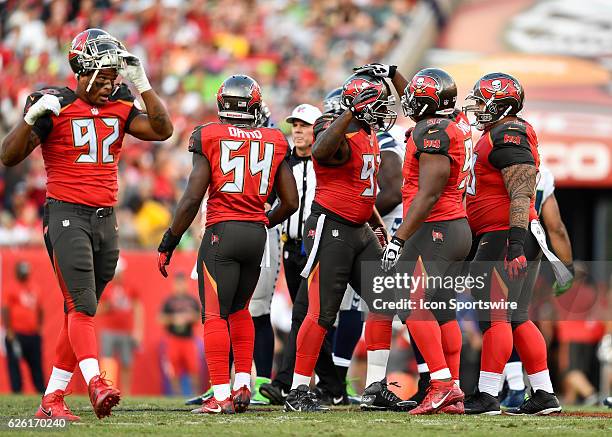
x: 456, y: 408
x: 541, y: 403
x: 275, y: 392
x: 256, y: 397
x: 424, y: 380
x: 103, y: 396
x: 326, y: 398
x: 377, y: 396
x: 608, y: 402
x: 303, y: 400
x: 213, y: 406
x: 242, y: 399
x: 513, y: 399
x: 439, y: 395
x: 482, y: 403
x: 53, y: 406
x: 199, y: 400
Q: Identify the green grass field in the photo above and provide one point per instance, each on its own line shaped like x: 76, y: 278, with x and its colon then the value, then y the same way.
x: 166, y: 416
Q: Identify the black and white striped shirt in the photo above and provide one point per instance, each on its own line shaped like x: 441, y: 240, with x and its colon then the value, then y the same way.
x: 306, y: 182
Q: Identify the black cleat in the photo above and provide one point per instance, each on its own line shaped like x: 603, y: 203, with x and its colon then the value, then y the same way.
x: 608, y: 402
x: 541, y: 403
x: 378, y: 397
x: 275, y: 392
x: 424, y: 380
x: 199, y: 400
x: 302, y: 399
x: 326, y: 398
x: 482, y: 403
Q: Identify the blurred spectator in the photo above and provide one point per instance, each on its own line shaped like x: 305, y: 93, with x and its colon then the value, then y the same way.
x: 579, y: 336
x: 297, y: 50
x: 121, y: 314
x: 22, y: 320
x: 179, y: 313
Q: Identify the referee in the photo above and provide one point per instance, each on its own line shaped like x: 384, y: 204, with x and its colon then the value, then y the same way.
x: 302, y: 120
x: 294, y: 258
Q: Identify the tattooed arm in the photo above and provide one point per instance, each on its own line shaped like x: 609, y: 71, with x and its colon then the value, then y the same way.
x: 155, y: 125
x: 18, y: 144
x: 520, y: 181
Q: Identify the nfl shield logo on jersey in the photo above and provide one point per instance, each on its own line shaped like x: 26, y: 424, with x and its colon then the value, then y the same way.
x: 335, y: 233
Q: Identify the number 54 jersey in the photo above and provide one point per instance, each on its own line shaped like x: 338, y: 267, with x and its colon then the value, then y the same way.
x: 243, y: 163
x: 81, y: 145
x: 451, y: 137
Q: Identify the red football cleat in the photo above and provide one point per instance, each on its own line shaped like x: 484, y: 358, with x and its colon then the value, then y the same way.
x: 213, y: 406
x: 103, y: 396
x: 456, y: 408
x: 439, y: 395
x: 242, y: 399
x: 53, y: 406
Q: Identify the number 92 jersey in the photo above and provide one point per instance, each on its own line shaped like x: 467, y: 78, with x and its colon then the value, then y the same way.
x: 243, y: 164
x: 451, y: 137
x: 81, y: 145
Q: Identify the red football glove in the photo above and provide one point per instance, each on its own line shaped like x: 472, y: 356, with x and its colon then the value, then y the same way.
x: 363, y: 100
x: 165, y: 249
x: 382, y: 235
x: 515, y: 262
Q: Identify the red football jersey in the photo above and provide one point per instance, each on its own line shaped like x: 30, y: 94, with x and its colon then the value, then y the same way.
x: 350, y: 189
x: 448, y: 137
x: 81, y: 146
x: 508, y: 143
x: 243, y: 162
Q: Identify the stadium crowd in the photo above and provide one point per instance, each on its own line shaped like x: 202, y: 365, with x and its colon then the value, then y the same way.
x: 298, y: 50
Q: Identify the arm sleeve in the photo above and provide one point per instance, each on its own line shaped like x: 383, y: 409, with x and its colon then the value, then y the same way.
x: 510, y: 147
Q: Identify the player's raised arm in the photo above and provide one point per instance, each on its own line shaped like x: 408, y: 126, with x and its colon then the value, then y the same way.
x: 330, y: 147
x: 24, y: 137
x: 286, y: 190
x: 155, y: 124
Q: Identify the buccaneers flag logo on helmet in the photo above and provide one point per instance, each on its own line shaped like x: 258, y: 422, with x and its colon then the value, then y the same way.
x: 425, y: 86
x: 355, y: 86
x: 500, y: 88
x: 255, y: 95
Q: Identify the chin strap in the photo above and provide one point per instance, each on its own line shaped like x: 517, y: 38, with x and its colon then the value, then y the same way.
x: 91, y: 81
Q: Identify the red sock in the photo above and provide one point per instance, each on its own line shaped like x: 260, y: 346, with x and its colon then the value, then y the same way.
x: 82, y: 335
x: 426, y: 334
x: 217, y: 349
x: 64, y: 355
x: 531, y: 347
x: 451, y: 345
x: 309, y: 341
x: 242, y: 333
x: 378, y: 332
x: 496, y: 347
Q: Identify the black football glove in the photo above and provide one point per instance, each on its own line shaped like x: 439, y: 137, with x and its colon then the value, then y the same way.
x: 165, y: 249
x: 515, y: 262
x: 363, y: 100
x: 377, y: 69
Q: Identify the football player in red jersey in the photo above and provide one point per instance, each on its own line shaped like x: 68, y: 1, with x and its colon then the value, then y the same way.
x: 238, y: 163
x: 434, y: 235
x: 81, y: 133
x: 337, y: 236
x: 500, y: 208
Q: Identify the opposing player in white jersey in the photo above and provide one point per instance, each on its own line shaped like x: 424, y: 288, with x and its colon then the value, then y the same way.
x: 548, y: 210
